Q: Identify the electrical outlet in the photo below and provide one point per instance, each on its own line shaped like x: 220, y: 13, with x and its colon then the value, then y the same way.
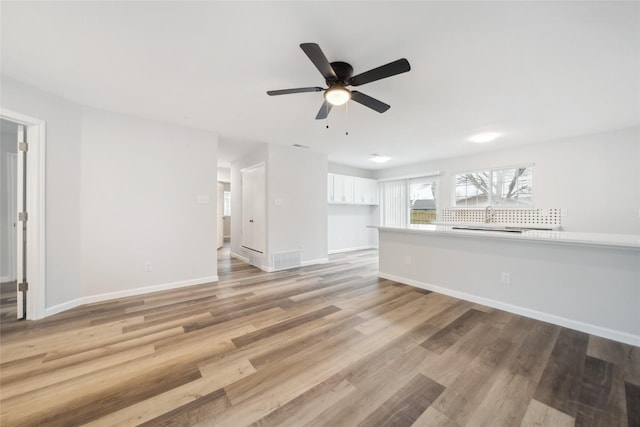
x: 148, y: 266
x: 506, y: 277
x: 407, y: 259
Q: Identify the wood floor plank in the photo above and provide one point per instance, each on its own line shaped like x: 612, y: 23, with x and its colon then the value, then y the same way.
x: 214, y: 377
x: 561, y: 380
x: 322, y: 345
x: 451, y: 333
x: 407, y: 404
x: 540, y: 415
x: 632, y: 392
x: 505, y: 403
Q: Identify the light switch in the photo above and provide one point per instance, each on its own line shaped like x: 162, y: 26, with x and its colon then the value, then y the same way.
x: 277, y: 202
x: 203, y: 199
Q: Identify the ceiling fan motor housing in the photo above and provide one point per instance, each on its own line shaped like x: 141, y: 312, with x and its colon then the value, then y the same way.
x: 343, y: 71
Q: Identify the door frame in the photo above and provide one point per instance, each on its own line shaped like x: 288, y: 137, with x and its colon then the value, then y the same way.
x: 12, y: 220
x: 36, y: 244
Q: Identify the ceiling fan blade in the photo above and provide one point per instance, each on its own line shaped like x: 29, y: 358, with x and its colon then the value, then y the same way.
x: 321, y: 62
x: 324, y: 111
x: 370, y: 102
x: 382, y: 72
x: 296, y: 90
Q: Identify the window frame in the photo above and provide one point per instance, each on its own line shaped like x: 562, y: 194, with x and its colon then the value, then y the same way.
x: 406, y: 183
x: 492, y: 201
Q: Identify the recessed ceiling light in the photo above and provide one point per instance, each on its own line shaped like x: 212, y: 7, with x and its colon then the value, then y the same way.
x: 484, y: 137
x: 379, y: 158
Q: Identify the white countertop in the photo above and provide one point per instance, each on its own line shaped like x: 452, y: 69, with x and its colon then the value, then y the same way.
x: 619, y: 241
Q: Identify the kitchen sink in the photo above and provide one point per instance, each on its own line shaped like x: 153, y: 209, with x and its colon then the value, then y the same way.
x: 500, y: 229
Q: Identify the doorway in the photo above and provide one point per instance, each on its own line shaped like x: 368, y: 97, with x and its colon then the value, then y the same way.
x: 23, y: 219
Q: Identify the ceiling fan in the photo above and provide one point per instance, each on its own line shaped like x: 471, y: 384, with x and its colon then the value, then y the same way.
x: 338, y: 75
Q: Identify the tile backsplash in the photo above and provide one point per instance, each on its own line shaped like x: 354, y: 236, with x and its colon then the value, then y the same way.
x: 551, y: 217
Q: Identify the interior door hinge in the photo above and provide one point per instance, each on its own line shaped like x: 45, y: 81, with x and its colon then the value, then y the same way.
x: 24, y: 286
x: 23, y: 216
x: 23, y: 146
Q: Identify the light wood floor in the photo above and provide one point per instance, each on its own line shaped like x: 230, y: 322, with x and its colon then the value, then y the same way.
x: 328, y: 345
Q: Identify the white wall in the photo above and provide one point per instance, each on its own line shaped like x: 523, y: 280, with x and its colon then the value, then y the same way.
x: 63, y: 202
x: 141, y: 181
x: 120, y: 191
x: 348, y: 170
x: 347, y: 227
x: 347, y: 224
x: 8, y: 144
x: 298, y: 179
x: 595, y: 177
x: 224, y: 174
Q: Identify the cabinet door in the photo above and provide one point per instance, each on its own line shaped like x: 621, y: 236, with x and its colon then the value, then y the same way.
x: 343, y: 189
x: 360, y: 191
x: 330, y: 191
x: 373, y: 191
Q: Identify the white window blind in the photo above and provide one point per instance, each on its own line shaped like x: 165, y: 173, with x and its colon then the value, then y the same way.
x: 394, y: 203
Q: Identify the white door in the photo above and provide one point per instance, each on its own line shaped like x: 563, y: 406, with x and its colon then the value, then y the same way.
x: 253, y: 208
x: 220, y: 215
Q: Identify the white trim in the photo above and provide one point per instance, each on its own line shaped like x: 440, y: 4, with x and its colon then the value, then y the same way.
x: 12, y: 220
x: 127, y: 293
x: 270, y: 269
x: 523, y: 311
x: 412, y: 176
x: 36, y: 236
x: 314, y: 261
x: 240, y: 257
x: 257, y: 165
x: 355, y: 248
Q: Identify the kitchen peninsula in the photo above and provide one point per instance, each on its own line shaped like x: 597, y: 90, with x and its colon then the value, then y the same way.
x: 585, y: 281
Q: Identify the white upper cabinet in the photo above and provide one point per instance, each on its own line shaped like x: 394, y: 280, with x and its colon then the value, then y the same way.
x: 352, y: 190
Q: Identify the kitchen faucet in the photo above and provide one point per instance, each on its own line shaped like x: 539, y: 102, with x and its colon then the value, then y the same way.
x: 489, y: 213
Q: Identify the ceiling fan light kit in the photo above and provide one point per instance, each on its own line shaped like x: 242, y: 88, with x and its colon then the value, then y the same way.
x: 338, y: 75
x: 337, y: 95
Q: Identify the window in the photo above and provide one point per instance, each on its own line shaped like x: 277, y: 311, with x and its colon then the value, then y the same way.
x: 422, y: 201
x: 407, y: 201
x: 227, y: 203
x: 498, y: 187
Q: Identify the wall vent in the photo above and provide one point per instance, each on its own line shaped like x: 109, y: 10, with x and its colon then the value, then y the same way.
x: 254, y: 257
x: 287, y: 259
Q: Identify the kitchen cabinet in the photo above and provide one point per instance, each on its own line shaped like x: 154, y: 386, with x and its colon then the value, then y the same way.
x: 365, y: 191
x: 352, y: 190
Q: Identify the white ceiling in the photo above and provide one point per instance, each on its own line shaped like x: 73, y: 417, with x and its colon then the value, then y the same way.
x: 532, y: 71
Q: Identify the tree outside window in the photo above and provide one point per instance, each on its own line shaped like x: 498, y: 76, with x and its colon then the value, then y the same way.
x: 498, y: 187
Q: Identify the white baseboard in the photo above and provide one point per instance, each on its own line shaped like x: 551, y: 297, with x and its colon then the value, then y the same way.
x: 240, y: 257
x: 302, y: 264
x: 314, y: 261
x: 126, y: 293
x: 356, y: 248
x: 523, y: 311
